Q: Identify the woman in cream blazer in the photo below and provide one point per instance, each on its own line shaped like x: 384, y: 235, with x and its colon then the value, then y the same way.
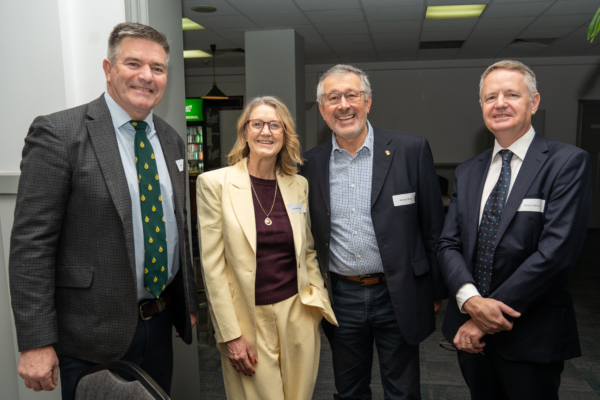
x: 269, y: 348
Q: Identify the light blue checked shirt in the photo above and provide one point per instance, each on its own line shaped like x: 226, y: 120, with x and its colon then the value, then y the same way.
x: 353, y: 249
x: 126, y: 142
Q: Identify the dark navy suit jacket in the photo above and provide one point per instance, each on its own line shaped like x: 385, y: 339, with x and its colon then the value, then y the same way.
x: 406, y: 235
x: 534, y: 252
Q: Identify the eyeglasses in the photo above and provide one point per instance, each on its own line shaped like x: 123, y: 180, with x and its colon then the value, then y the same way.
x: 334, y: 98
x: 256, y: 125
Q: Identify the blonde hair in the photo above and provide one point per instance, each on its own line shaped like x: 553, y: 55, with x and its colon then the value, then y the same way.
x: 290, y: 151
x: 512, y: 66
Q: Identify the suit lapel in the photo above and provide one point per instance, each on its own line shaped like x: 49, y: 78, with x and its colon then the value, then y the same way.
x: 322, y: 161
x: 534, y: 161
x: 289, y: 193
x: 240, y: 193
x: 474, y: 194
x: 383, y: 154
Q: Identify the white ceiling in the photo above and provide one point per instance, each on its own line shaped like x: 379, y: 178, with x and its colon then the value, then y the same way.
x: 351, y: 31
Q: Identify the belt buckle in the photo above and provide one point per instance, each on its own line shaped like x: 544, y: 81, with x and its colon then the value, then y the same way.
x: 141, y: 306
x: 369, y: 280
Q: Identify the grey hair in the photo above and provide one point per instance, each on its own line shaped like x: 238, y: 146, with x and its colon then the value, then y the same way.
x: 512, y: 66
x: 138, y: 31
x: 340, y: 70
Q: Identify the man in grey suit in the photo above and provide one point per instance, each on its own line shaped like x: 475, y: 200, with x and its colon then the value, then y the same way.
x: 99, y: 262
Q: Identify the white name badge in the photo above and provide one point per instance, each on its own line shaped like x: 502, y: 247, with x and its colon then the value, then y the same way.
x: 532, y: 205
x: 179, y: 164
x: 296, y: 208
x: 404, y: 199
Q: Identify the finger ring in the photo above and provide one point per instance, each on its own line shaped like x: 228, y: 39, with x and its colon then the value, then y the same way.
x: 468, y: 342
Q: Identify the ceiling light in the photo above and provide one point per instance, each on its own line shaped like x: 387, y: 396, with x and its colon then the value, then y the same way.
x: 214, y: 93
x: 189, y: 25
x: 462, y: 11
x: 204, y: 9
x: 195, y: 54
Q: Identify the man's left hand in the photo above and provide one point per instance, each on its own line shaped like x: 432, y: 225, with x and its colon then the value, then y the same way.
x: 437, y: 307
x: 468, y: 338
x: 194, y: 318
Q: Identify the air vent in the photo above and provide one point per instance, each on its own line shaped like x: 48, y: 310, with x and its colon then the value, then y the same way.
x: 540, y: 42
x: 442, y: 44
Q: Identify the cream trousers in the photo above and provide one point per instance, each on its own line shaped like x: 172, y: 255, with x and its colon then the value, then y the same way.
x: 289, y: 346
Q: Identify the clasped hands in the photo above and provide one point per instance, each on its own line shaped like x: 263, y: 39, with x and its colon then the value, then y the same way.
x: 486, y: 319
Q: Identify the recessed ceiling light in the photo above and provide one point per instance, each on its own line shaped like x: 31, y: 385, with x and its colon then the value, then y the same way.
x: 195, y: 54
x: 461, y: 11
x: 189, y: 25
x: 204, y: 9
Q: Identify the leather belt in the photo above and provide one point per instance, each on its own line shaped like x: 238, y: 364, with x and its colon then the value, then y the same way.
x: 149, y: 308
x: 364, y: 280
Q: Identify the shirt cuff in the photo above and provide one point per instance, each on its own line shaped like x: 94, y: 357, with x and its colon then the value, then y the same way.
x: 465, y: 292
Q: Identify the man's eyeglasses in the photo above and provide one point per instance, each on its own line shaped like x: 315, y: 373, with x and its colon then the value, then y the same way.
x: 257, y: 125
x: 334, y: 98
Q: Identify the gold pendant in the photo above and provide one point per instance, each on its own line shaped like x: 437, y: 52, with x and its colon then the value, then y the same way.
x: 268, y: 221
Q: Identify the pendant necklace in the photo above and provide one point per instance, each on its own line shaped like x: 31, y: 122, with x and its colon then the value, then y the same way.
x: 267, y: 220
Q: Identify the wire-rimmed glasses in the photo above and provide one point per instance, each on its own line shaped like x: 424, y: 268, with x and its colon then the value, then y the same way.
x: 334, y: 98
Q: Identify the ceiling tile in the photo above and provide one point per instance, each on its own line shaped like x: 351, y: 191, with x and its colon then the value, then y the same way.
x: 263, y: 6
x: 573, y: 7
x: 226, y: 22
x: 478, y: 52
x: 445, y: 2
x: 517, y: 1
x: 518, y: 23
x: 395, y: 27
x: 223, y: 8
x: 395, y: 37
x: 315, y: 5
x: 387, y: 3
x: 559, y: 51
x: 335, y: 16
x: 395, y: 13
x: 401, y: 55
x: 342, y: 28
x: 335, y: 39
x: 305, y: 31
x: 516, y: 10
x: 396, y: 46
x: 474, y: 41
x: 279, y: 19
x: 545, y: 33
x: 437, y: 54
x: 563, y: 21
x: 444, y: 35
x: 574, y: 41
x: 449, y: 24
x: 494, y: 34
x: 594, y: 51
x: 521, y: 51
x: 342, y: 48
x: 580, y: 32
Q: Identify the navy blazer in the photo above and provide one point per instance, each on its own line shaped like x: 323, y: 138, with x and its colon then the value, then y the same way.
x: 406, y: 235
x: 534, y: 251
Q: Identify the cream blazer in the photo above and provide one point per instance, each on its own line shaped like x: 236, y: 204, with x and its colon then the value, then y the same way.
x: 228, y: 250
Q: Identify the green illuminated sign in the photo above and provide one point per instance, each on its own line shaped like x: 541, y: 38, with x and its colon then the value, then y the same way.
x: 193, y: 110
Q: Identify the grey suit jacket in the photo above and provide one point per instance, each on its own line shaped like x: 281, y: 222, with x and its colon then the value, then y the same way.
x: 72, y: 262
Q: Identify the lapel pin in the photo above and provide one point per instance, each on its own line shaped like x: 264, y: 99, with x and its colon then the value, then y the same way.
x: 387, y: 152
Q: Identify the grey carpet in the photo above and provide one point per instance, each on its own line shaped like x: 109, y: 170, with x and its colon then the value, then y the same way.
x: 440, y: 375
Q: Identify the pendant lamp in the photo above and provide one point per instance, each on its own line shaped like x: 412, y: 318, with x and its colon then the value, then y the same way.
x: 214, y: 93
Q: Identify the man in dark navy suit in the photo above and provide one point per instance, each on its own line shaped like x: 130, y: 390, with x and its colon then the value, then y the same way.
x: 376, y: 213
x: 515, y: 227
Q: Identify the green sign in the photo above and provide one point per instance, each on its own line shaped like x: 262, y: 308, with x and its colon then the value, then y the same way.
x: 193, y: 110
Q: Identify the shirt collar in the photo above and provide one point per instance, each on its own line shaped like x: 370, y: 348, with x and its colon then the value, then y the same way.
x: 368, y: 140
x: 121, y: 118
x: 520, y: 147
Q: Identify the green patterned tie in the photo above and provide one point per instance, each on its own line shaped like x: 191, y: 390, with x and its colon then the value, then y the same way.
x: 153, y: 219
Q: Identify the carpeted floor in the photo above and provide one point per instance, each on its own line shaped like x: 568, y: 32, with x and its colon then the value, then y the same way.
x: 440, y: 376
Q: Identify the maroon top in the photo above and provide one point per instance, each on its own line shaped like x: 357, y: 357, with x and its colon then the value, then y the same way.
x: 276, y: 278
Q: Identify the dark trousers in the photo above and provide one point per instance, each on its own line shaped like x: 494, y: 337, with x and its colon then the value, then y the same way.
x: 151, y: 349
x: 365, y: 314
x: 492, y: 377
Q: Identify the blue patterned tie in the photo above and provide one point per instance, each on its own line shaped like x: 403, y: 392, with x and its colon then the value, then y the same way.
x: 486, y: 240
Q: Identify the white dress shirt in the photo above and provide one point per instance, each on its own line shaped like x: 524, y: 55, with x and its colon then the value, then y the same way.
x: 519, y: 148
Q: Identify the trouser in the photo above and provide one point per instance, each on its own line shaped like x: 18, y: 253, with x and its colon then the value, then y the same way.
x: 289, y: 345
x: 366, y: 314
x: 151, y: 349
x: 493, y: 377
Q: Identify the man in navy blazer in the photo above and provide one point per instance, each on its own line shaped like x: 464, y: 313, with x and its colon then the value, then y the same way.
x: 515, y: 329
x: 376, y: 213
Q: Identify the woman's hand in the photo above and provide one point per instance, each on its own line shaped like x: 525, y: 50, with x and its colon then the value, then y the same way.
x: 241, y: 357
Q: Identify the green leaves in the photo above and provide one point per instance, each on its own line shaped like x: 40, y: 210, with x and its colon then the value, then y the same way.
x: 594, y: 26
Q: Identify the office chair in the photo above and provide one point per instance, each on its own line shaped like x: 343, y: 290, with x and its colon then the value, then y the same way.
x: 101, y: 383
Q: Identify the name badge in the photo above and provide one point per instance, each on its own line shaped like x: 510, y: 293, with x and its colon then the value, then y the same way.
x: 404, y: 199
x: 296, y: 208
x: 179, y: 164
x: 532, y: 205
